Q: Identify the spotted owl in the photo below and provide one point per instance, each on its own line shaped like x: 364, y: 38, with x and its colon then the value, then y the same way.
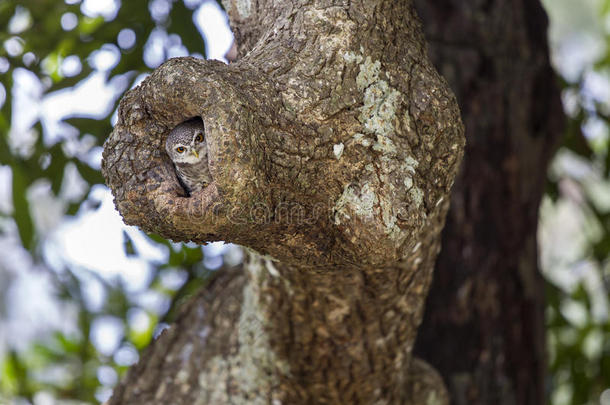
x: 188, y: 150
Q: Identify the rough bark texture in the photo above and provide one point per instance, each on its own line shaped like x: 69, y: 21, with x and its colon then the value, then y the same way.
x: 483, y: 328
x: 333, y: 145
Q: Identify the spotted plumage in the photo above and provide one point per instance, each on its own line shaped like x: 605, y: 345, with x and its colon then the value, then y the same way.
x: 187, y: 148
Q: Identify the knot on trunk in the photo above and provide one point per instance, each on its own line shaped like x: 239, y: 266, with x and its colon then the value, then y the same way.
x: 322, y: 150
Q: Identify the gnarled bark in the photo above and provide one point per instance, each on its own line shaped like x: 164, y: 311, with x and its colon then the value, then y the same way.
x: 333, y: 145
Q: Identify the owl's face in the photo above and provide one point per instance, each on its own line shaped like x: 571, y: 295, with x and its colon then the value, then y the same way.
x: 185, y: 144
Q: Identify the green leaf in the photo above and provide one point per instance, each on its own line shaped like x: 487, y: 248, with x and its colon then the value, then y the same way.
x: 575, y: 140
x: 22, y: 208
x: 192, y: 255
x: 91, y: 175
x: 181, y: 22
x: 88, y: 25
x: 5, y: 153
x: 7, y: 9
x: 141, y: 338
x: 96, y: 127
x: 128, y: 245
x: 118, y: 301
x: 69, y: 345
x: 56, y: 169
x: 9, y: 381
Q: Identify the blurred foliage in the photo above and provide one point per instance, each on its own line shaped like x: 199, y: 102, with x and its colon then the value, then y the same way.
x: 578, y: 324
x: 57, y: 41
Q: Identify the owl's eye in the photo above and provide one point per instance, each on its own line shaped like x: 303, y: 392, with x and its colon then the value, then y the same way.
x: 180, y: 149
x: 199, y: 137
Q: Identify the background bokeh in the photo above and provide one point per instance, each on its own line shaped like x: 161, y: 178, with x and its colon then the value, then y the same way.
x: 81, y: 294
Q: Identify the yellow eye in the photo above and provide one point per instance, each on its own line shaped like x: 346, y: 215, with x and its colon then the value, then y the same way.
x: 199, y: 137
x: 180, y: 149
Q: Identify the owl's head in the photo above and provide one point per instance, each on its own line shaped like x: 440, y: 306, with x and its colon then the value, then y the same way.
x: 186, y: 142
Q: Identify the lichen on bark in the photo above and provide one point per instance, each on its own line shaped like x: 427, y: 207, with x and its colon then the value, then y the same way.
x: 333, y: 145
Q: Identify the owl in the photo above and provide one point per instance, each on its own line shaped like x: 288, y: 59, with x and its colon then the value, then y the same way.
x: 188, y: 150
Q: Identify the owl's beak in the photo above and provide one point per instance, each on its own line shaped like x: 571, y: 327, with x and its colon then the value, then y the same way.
x: 195, y: 153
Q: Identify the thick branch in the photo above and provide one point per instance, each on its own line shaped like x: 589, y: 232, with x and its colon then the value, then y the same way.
x: 333, y: 145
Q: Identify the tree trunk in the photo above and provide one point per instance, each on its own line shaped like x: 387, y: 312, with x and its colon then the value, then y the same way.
x: 484, y: 323
x: 333, y: 145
